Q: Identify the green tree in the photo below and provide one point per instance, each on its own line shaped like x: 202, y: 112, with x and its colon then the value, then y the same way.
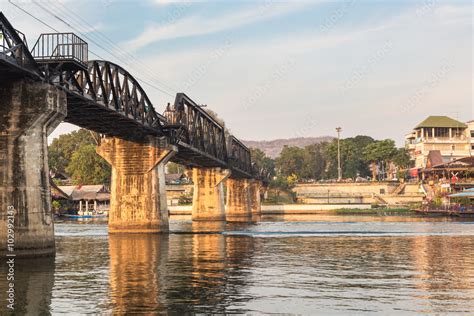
x: 55, y: 205
x: 402, y: 158
x: 372, y: 157
x: 290, y: 161
x: 314, y: 161
x: 352, y: 158
x: 381, y: 153
x: 87, y: 167
x: 360, y: 142
x: 262, y: 163
x: 281, y: 183
x: 62, y: 148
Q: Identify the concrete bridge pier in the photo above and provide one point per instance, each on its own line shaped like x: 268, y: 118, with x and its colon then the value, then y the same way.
x: 255, y: 201
x: 29, y: 112
x: 138, y: 192
x: 238, y: 200
x: 208, y: 194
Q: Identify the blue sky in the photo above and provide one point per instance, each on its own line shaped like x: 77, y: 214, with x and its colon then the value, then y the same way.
x: 274, y: 69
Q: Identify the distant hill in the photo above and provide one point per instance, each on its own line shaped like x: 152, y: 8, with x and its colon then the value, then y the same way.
x: 272, y: 148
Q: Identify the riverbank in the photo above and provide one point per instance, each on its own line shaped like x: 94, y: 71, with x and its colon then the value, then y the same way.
x: 295, y: 209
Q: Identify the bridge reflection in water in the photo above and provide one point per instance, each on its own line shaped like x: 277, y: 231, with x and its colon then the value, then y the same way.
x: 136, y: 262
x: 196, y: 269
x: 160, y: 273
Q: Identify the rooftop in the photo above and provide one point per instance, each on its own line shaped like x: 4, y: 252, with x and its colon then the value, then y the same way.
x: 86, y: 192
x: 441, y: 121
x: 434, y: 158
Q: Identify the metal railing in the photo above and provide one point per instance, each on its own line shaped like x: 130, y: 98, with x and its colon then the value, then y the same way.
x: 57, y: 47
x: 431, y: 139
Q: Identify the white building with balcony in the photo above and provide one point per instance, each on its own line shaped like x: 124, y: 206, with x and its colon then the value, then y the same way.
x: 442, y: 136
x: 470, y: 126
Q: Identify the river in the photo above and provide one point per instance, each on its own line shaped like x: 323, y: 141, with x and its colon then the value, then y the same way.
x: 295, y: 264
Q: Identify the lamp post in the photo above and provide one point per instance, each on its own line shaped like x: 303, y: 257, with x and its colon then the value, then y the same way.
x: 339, y: 170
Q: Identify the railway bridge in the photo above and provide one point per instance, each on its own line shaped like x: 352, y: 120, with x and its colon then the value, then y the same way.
x: 53, y: 82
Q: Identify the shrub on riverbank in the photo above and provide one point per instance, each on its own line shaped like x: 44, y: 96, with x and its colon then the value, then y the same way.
x: 388, y: 211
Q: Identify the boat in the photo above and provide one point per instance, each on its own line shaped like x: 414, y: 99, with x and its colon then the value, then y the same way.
x: 82, y: 214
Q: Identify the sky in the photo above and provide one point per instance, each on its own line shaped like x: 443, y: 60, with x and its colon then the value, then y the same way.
x: 282, y: 69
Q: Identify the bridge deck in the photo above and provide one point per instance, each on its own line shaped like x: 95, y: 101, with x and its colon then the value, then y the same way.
x: 9, y: 70
x: 89, y: 114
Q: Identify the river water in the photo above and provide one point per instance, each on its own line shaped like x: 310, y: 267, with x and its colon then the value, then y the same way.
x: 296, y: 265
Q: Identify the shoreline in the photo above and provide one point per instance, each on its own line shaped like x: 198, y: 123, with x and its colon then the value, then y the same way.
x: 311, y: 209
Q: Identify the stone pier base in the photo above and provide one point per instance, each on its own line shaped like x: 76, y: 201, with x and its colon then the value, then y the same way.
x: 29, y: 112
x: 255, y: 197
x: 208, y: 195
x: 138, y: 192
x: 238, y: 200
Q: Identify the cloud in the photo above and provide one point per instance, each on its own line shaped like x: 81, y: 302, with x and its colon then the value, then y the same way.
x: 55, y: 15
x: 323, y: 62
x: 177, y: 27
x: 223, y: 76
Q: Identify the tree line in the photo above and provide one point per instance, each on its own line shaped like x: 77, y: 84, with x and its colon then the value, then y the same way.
x: 361, y: 156
x: 74, y: 156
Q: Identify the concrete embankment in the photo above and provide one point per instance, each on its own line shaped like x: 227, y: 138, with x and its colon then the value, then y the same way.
x: 381, y: 193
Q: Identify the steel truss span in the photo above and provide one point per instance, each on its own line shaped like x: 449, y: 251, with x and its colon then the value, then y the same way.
x: 105, y: 98
x: 203, y: 141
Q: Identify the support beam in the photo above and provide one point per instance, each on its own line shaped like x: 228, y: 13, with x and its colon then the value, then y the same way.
x: 29, y: 112
x: 255, y: 194
x: 208, y: 194
x: 138, y: 193
x: 238, y: 200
